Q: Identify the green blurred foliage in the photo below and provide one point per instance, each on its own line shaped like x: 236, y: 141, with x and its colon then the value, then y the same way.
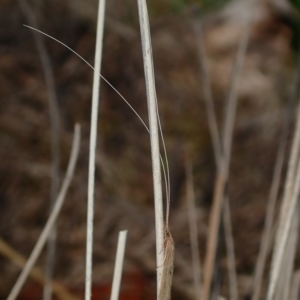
x: 293, y: 21
x: 296, y: 4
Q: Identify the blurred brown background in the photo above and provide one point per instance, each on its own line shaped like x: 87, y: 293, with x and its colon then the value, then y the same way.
x: 124, y: 197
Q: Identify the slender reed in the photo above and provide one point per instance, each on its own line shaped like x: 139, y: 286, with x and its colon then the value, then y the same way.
x: 92, y: 152
x: 52, y: 218
x: 217, y: 148
x: 36, y: 274
x: 219, y: 156
x: 118, y: 265
x: 230, y: 251
x: 207, y: 90
x: 164, y: 242
x: 274, y: 189
x: 288, y: 206
x: 223, y: 169
x: 154, y: 135
x: 54, y: 125
x: 222, y: 158
x: 192, y: 217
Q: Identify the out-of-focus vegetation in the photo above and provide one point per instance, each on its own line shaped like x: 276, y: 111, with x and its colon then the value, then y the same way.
x: 123, y: 172
x: 177, y: 6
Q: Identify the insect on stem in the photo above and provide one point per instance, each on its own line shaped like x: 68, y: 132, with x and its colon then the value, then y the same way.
x: 168, y: 266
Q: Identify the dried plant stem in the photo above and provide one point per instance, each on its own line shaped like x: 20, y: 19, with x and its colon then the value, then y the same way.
x: 154, y: 136
x: 223, y: 169
x: 52, y: 218
x: 55, y: 125
x: 230, y: 251
x: 208, y: 98
x: 269, y: 220
x: 286, y: 269
x: 118, y: 265
x: 288, y: 206
x: 192, y: 217
x: 232, y: 99
x: 218, y: 154
x: 273, y: 195
x: 92, y: 151
x: 36, y: 274
x: 212, y: 237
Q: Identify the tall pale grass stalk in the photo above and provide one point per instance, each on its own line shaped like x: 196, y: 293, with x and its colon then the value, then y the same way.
x: 273, y: 194
x: 35, y: 273
x: 288, y: 206
x: 118, y: 265
x: 165, y: 248
x: 233, y: 288
x: 92, y: 151
x: 192, y: 217
x: 55, y: 152
x: 52, y: 218
x: 154, y: 136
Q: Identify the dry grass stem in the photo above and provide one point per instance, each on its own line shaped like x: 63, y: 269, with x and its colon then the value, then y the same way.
x: 230, y: 251
x: 36, y: 274
x: 288, y: 206
x: 216, y: 147
x: 208, y: 98
x: 154, y: 135
x: 92, y: 152
x: 273, y: 195
x: 281, y: 271
x: 52, y: 218
x: 192, y: 217
x: 223, y: 169
x: 55, y: 126
x: 118, y: 265
x: 269, y: 220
